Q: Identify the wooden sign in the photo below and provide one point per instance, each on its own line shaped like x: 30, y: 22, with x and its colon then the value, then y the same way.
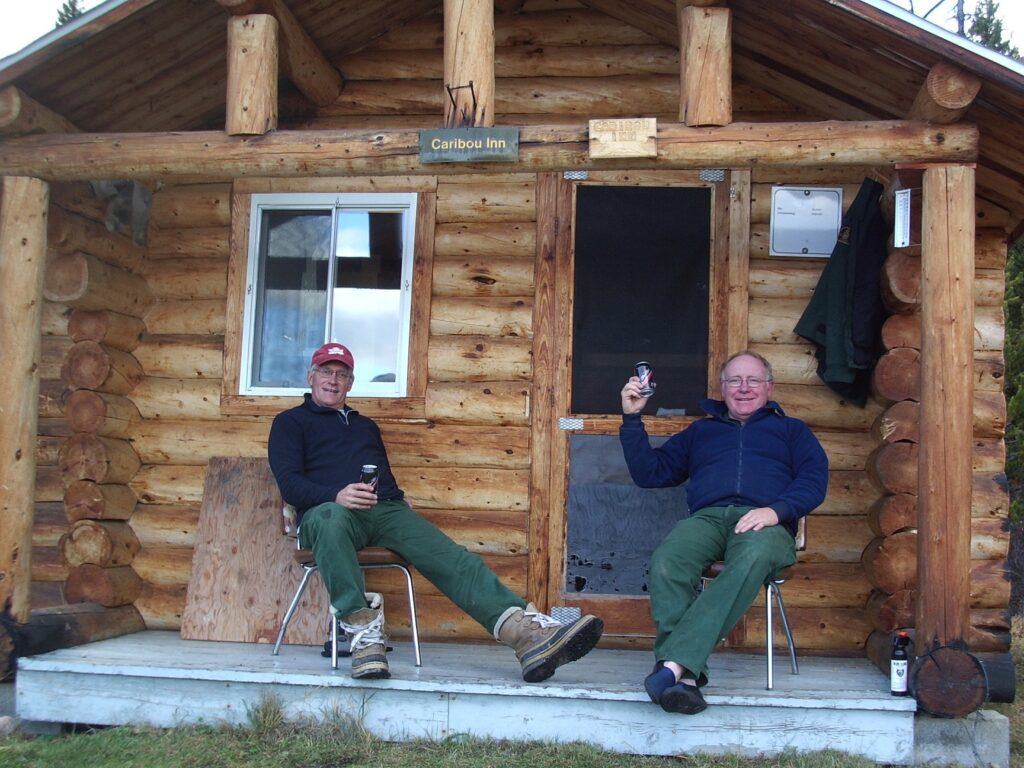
x: 469, y: 145
x: 627, y: 137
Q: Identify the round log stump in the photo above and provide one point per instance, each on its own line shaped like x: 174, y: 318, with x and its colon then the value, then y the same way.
x: 949, y: 682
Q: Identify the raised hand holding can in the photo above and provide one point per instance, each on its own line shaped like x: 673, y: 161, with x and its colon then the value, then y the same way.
x: 645, y: 373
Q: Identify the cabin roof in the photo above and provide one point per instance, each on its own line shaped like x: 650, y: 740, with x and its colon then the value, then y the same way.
x: 159, y: 65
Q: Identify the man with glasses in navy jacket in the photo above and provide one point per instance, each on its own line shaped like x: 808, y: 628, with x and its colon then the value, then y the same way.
x: 753, y: 472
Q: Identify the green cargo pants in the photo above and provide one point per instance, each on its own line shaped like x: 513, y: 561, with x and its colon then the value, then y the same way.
x: 335, y: 533
x: 690, y: 623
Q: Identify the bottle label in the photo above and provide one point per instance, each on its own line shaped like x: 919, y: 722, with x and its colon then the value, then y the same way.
x: 898, y: 676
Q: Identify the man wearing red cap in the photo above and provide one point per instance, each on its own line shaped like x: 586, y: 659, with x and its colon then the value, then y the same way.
x: 316, y: 451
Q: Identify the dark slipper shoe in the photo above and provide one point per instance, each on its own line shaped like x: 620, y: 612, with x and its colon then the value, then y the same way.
x: 683, y: 698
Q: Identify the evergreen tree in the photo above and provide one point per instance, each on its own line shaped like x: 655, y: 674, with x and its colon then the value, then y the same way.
x: 70, y: 10
x: 987, y: 28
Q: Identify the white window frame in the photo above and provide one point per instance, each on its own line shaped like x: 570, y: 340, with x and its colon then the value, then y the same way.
x: 375, y: 201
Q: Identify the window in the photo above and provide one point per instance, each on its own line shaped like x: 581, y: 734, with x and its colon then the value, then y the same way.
x: 328, y: 267
x: 641, y: 292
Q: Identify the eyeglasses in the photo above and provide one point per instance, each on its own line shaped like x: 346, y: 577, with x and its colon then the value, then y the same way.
x: 754, y: 382
x: 334, y: 374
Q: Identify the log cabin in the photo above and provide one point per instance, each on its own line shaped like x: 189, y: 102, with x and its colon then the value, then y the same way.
x: 175, y: 173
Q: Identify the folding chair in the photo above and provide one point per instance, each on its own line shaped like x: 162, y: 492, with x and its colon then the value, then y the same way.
x: 370, y: 558
x: 772, y: 588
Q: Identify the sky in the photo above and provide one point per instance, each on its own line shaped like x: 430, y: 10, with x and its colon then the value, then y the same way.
x: 24, y: 21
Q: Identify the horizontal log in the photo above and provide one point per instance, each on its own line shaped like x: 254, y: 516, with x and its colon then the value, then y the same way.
x: 781, y: 278
x: 100, y: 459
x: 904, y: 330
x: 48, y: 484
x: 194, y: 278
x: 901, y: 284
x: 166, y: 525
x: 479, y: 358
x: 104, y: 543
x: 191, y: 442
x: 48, y: 564
x: 456, y: 445
x: 482, y: 317
x: 894, y: 466
x: 510, y: 570
x: 53, y: 395
x: 21, y: 114
x: 483, y: 531
x: 83, y: 281
x: 91, y: 365
x: 215, y: 156
x: 172, y: 484
x: 989, y: 246
x: 485, y: 240
x: 70, y: 233
x: 175, y: 356
x: 822, y: 408
x: 814, y: 629
x: 161, y: 605
x: 56, y: 427
x: 46, y: 594
x: 189, y: 243
x: 849, y: 493
x: 85, y: 499
x: 201, y: 317
x: 454, y: 488
x: 897, y: 376
x: 836, y: 538
x: 193, y: 399
x: 824, y: 584
x: 893, y: 513
x: 520, y: 60
x: 490, y: 402
x: 48, y: 449
x: 471, y: 201
x: 100, y: 413
x: 112, y: 329
x: 475, y: 276
x: 191, y: 205
x: 164, y: 565
x: 109, y: 587
x: 900, y: 420
x: 64, y: 626
x: 54, y: 320
x: 53, y: 351
x: 846, y: 450
x: 890, y: 562
x: 48, y: 524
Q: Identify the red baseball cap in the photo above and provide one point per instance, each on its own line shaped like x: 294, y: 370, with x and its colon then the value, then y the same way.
x: 334, y: 352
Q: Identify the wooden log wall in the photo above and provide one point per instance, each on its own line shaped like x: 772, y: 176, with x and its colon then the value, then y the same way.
x: 94, y: 298
x: 890, y: 559
x: 466, y: 467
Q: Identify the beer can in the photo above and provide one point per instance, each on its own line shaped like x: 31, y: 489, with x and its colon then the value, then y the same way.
x: 644, y: 372
x: 368, y: 474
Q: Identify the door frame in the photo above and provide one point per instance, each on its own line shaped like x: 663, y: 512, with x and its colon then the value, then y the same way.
x: 551, y: 392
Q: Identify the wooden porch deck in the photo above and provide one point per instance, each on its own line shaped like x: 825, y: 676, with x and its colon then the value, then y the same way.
x: 159, y: 679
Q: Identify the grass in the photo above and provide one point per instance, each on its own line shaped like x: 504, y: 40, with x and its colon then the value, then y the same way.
x: 337, y: 740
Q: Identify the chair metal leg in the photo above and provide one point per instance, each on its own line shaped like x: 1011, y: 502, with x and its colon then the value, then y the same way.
x: 412, y: 614
x: 334, y: 639
x: 294, y: 604
x: 772, y: 588
x: 769, y: 587
x: 789, y: 634
x: 413, y: 624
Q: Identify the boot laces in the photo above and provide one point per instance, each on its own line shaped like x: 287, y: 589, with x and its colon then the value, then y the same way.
x: 362, y: 636
x: 542, y: 619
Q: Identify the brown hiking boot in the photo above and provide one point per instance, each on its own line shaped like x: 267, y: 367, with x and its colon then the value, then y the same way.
x: 368, y: 643
x: 542, y: 644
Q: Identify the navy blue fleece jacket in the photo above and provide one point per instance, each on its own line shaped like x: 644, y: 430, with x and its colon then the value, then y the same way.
x: 771, y: 460
x: 315, y: 452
